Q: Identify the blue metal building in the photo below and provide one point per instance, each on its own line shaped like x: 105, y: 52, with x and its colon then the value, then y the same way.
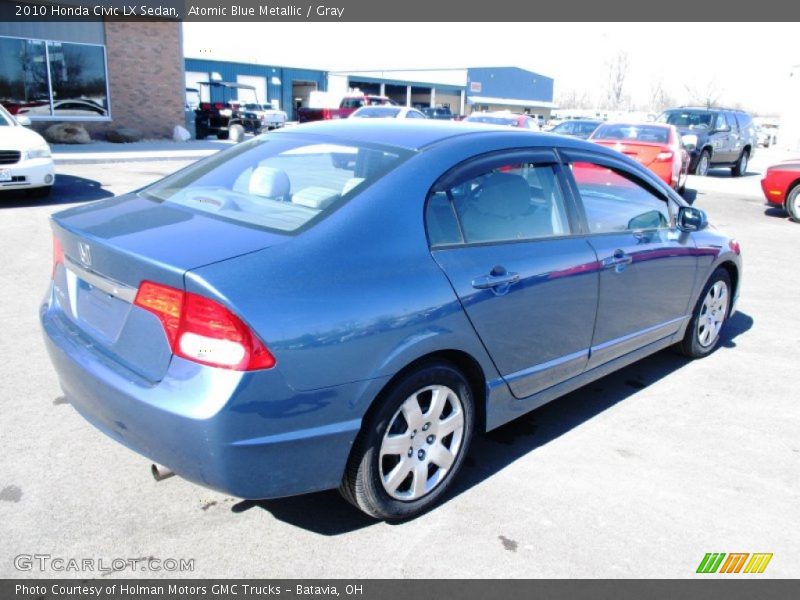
x: 290, y: 87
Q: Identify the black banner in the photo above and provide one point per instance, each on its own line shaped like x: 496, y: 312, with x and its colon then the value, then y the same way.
x: 417, y: 589
x: 408, y: 10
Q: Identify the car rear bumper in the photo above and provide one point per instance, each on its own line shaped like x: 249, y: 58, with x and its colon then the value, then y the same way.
x: 34, y: 173
x: 245, y: 434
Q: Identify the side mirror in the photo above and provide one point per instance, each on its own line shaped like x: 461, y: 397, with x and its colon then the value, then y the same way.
x: 691, y: 219
x: 24, y: 121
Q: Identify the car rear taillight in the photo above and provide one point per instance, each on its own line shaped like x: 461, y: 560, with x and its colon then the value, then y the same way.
x: 202, y: 330
x: 205, y: 106
x: 735, y: 247
x: 58, y: 256
x: 219, y: 105
x: 665, y: 155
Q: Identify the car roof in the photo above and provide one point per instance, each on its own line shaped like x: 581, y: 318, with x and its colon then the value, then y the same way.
x: 416, y: 134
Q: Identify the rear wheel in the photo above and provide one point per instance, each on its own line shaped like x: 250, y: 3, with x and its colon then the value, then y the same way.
x: 411, y: 447
x: 703, y: 163
x: 201, y: 133
x: 740, y: 168
x: 710, y: 315
x: 792, y: 203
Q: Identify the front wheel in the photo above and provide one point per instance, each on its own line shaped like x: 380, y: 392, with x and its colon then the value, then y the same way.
x: 413, y: 444
x: 793, y: 204
x: 710, y: 315
x: 703, y: 163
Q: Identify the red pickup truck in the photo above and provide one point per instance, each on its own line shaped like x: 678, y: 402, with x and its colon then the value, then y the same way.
x: 347, y: 106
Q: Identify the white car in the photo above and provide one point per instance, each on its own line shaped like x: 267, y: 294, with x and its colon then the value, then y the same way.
x: 25, y: 161
x: 270, y: 118
x: 388, y: 111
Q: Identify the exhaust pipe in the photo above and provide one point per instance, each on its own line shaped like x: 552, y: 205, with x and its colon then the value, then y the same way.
x: 160, y: 472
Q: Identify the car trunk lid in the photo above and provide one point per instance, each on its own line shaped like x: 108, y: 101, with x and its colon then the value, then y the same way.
x: 645, y: 153
x: 111, y: 247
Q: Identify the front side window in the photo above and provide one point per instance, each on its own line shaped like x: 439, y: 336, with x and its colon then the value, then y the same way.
x: 511, y: 203
x: 281, y: 183
x: 615, y: 201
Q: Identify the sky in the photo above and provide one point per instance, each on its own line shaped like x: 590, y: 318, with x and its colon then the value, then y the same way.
x: 745, y: 64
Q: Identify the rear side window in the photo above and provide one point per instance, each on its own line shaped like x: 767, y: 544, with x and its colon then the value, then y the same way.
x: 281, y: 183
x: 511, y: 203
x: 615, y: 201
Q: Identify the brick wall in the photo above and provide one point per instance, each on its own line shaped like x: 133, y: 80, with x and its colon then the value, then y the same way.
x: 145, y: 72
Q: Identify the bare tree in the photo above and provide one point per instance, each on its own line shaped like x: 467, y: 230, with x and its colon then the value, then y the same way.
x: 574, y: 98
x: 704, y: 93
x: 617, y: 74
x: 659, y: 98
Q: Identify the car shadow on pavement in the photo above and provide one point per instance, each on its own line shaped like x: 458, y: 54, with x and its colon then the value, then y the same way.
x: 327, y: 513
x: 68, y: 189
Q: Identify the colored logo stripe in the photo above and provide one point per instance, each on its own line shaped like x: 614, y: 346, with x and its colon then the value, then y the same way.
x: 711, y: 562
x: 734, y: 562
x: 758, y: 563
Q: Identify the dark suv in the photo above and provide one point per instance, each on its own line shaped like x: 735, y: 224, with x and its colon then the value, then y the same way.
x: 714, y: 137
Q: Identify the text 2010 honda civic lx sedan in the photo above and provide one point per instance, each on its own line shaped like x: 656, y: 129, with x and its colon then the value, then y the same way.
x: 346, y: 304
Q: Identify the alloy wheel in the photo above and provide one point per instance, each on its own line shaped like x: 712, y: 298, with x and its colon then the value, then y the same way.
x: 421, y: 443
x: 712, y: 314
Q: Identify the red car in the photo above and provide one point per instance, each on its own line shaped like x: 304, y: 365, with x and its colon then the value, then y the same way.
x: 780, y: 185
x: 656, y: 146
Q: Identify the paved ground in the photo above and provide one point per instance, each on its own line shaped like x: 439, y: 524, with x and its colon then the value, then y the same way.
x: 637, y: 475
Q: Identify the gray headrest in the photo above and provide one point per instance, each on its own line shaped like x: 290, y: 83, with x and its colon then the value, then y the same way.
x: 269, y: 183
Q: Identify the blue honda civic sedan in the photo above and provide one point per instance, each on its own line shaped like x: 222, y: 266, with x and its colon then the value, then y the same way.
x: 346, y: 304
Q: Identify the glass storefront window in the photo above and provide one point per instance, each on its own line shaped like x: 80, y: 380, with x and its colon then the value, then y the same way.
x: 74, y: 87
x: 78, y: 80
x: 23, y: 77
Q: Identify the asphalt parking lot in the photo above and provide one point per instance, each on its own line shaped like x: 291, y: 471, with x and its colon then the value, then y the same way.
x: 637, y: 475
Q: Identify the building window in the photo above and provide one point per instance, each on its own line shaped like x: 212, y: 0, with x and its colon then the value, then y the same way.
x: 53, y: 80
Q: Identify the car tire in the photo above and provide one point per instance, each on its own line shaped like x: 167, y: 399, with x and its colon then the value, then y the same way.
x: 40, y: 192
x: 740, y: 168
x: 201, y: 134
x: 792, y: 204
x: 709, y: 316
x: 387, y: 480
x: 236, y: 133
x: 703, y: 164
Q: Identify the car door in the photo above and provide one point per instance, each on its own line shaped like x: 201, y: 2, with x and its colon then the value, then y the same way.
x: 501, y: 228
x: 721, y: 140
x: 648, y: 266
x: 735, y: 136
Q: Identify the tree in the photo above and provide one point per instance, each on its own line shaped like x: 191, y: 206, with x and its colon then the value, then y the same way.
x: 574, y: 98
x: 659, y: 99
x: 617, y: 74
x: 704, y: 93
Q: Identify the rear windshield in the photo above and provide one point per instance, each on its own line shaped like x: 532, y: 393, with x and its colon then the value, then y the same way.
x: 691, y: 119
x: 638, y: 133
x: 279, y: 182
x: 376, y: 112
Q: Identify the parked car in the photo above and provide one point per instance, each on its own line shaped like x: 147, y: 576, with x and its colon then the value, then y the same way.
x: 781, y: 185
x: 349, y: 104
x: 714, y: 137
x: 441, y: 113
x: 387, y: 112
x: 508, y: 119
x: 25, y: 161
x: 579, y: 128
x: 274, y: 324
x: 658, y: 147
x: 271, y: 118
x: 228, y: 118
x: 767, y: 134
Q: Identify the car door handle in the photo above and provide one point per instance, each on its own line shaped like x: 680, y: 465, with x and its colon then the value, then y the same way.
x: 619, y: 258
x: 495, y: 279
